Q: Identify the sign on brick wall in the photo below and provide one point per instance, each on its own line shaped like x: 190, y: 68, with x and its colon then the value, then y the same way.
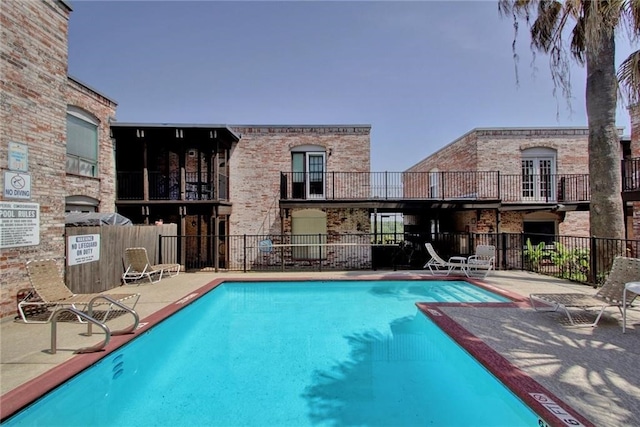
x: 17, y: 185
x: 19, y: 224
x: 83, y: 248
x: 18, y: 157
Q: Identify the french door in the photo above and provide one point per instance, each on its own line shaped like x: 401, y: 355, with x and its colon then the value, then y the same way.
x: 538, y: 179
x: 309, y: 175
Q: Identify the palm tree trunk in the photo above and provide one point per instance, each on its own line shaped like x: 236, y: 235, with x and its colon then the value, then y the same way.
x: 606, y: 211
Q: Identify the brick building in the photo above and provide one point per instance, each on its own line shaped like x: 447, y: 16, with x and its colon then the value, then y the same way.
x: 632, y: 203
x: 54, y: 141
x: 236, y: 180
x: 540, y: 176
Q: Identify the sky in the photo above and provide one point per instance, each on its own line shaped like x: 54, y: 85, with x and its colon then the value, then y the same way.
x: 420, y: 73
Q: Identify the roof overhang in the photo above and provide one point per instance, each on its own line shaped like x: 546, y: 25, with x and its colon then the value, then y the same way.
x: 185, y: 131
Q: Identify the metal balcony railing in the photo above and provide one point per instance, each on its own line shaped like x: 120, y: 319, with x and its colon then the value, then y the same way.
x: 171, y: 186
x: 631, y: 174
x: 490, y: 185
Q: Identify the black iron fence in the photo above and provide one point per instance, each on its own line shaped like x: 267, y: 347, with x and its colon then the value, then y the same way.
x: 580, y: 259
x: 491, y: 185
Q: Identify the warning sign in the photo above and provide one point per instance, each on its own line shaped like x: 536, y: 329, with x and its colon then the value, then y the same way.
x: 82, y: 249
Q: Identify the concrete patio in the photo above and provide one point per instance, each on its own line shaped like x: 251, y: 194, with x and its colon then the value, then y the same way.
x: 594, y: 370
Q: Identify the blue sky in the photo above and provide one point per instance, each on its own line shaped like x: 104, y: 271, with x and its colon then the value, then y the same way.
x: 420, y: 73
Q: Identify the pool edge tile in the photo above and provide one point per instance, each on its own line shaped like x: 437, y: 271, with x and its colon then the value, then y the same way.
x: 549, y: 407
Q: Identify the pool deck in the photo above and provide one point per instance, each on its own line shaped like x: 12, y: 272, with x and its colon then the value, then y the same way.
x: 596, y: 371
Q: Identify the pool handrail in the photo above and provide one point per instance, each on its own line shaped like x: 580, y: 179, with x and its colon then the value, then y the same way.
x: 89, y: 319
x: 113, y: 302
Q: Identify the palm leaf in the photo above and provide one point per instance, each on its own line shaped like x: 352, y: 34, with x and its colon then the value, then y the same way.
x: 629, y: 78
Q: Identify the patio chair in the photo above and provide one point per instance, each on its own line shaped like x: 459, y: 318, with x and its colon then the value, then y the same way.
x: 50, y: 292
x: 610, y: 294
x: 139, y: 267
x: 438, y: 266
x: 483, y: 261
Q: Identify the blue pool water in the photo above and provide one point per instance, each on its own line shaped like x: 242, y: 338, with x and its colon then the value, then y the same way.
x: 292, y: 354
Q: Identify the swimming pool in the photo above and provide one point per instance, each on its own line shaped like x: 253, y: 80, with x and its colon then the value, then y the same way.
x: 292, y: 353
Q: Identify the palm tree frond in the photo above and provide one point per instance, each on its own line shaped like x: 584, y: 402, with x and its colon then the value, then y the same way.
x: 631, y: 18
x: 546, y: 30
x: 578, y: 45
x: 629, y: 78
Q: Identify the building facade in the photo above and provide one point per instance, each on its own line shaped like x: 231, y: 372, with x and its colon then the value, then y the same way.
x: 633, y: 203
x: 260, y: 181
x: 39, y: 102
x: 540, y: 176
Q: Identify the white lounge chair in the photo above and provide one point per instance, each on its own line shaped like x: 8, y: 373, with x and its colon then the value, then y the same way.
x: 483, y: 261
x: 49, y: 292
x: 438, y: 266
x: 610, y: 294
x: 139, y: 267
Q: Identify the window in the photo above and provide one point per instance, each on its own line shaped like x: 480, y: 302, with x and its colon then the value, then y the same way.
x: 539, y: 231
x: 309, y: 230
x: 539, y: 174
x: 309, y: 172
x: 81, y: 204
x: 433, y: 184
x: 82, y: 143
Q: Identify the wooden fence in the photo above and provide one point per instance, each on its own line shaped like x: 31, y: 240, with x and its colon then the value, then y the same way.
x: 106, y: 273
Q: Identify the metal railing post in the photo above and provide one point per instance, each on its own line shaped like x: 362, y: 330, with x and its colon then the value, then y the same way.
x: 244, y: 257
x: 333, y: 185
x: 319, y: 252
x: 593, y: 260
x: 386, y: 188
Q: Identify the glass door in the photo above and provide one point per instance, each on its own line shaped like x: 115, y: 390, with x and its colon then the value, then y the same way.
x: 538, y: 179
x: 315, y: 175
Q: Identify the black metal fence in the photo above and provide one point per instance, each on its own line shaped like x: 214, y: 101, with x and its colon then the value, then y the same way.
x: 580, y: 259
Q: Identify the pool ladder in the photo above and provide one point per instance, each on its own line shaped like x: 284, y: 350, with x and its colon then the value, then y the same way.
x: 88, y: 317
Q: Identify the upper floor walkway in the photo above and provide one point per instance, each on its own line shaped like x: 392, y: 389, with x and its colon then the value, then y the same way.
x: 483, y: 187
x: 486, y: 187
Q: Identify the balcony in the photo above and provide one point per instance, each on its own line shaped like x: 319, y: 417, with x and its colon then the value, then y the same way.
x: 631, y: 179
x: 156, y: 186
x: 436, y: 186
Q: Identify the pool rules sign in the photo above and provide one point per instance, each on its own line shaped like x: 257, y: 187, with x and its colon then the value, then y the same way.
x: 19, y: 224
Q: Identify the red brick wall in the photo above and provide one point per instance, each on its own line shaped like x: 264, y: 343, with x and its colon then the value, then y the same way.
x: 33, y: 61
x: 36, y: 92
x: 500, y: 149
x: 460, y: 155
x: 264, y: 151
x: 634, y: 113
x: 103, y: 187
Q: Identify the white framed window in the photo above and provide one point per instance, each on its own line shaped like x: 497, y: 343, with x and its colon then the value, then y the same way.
x: 539, y: 174
x: 82, y: 143
x: 308, y: 166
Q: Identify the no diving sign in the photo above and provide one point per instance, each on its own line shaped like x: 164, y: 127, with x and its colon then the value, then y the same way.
x: 17, y: 185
